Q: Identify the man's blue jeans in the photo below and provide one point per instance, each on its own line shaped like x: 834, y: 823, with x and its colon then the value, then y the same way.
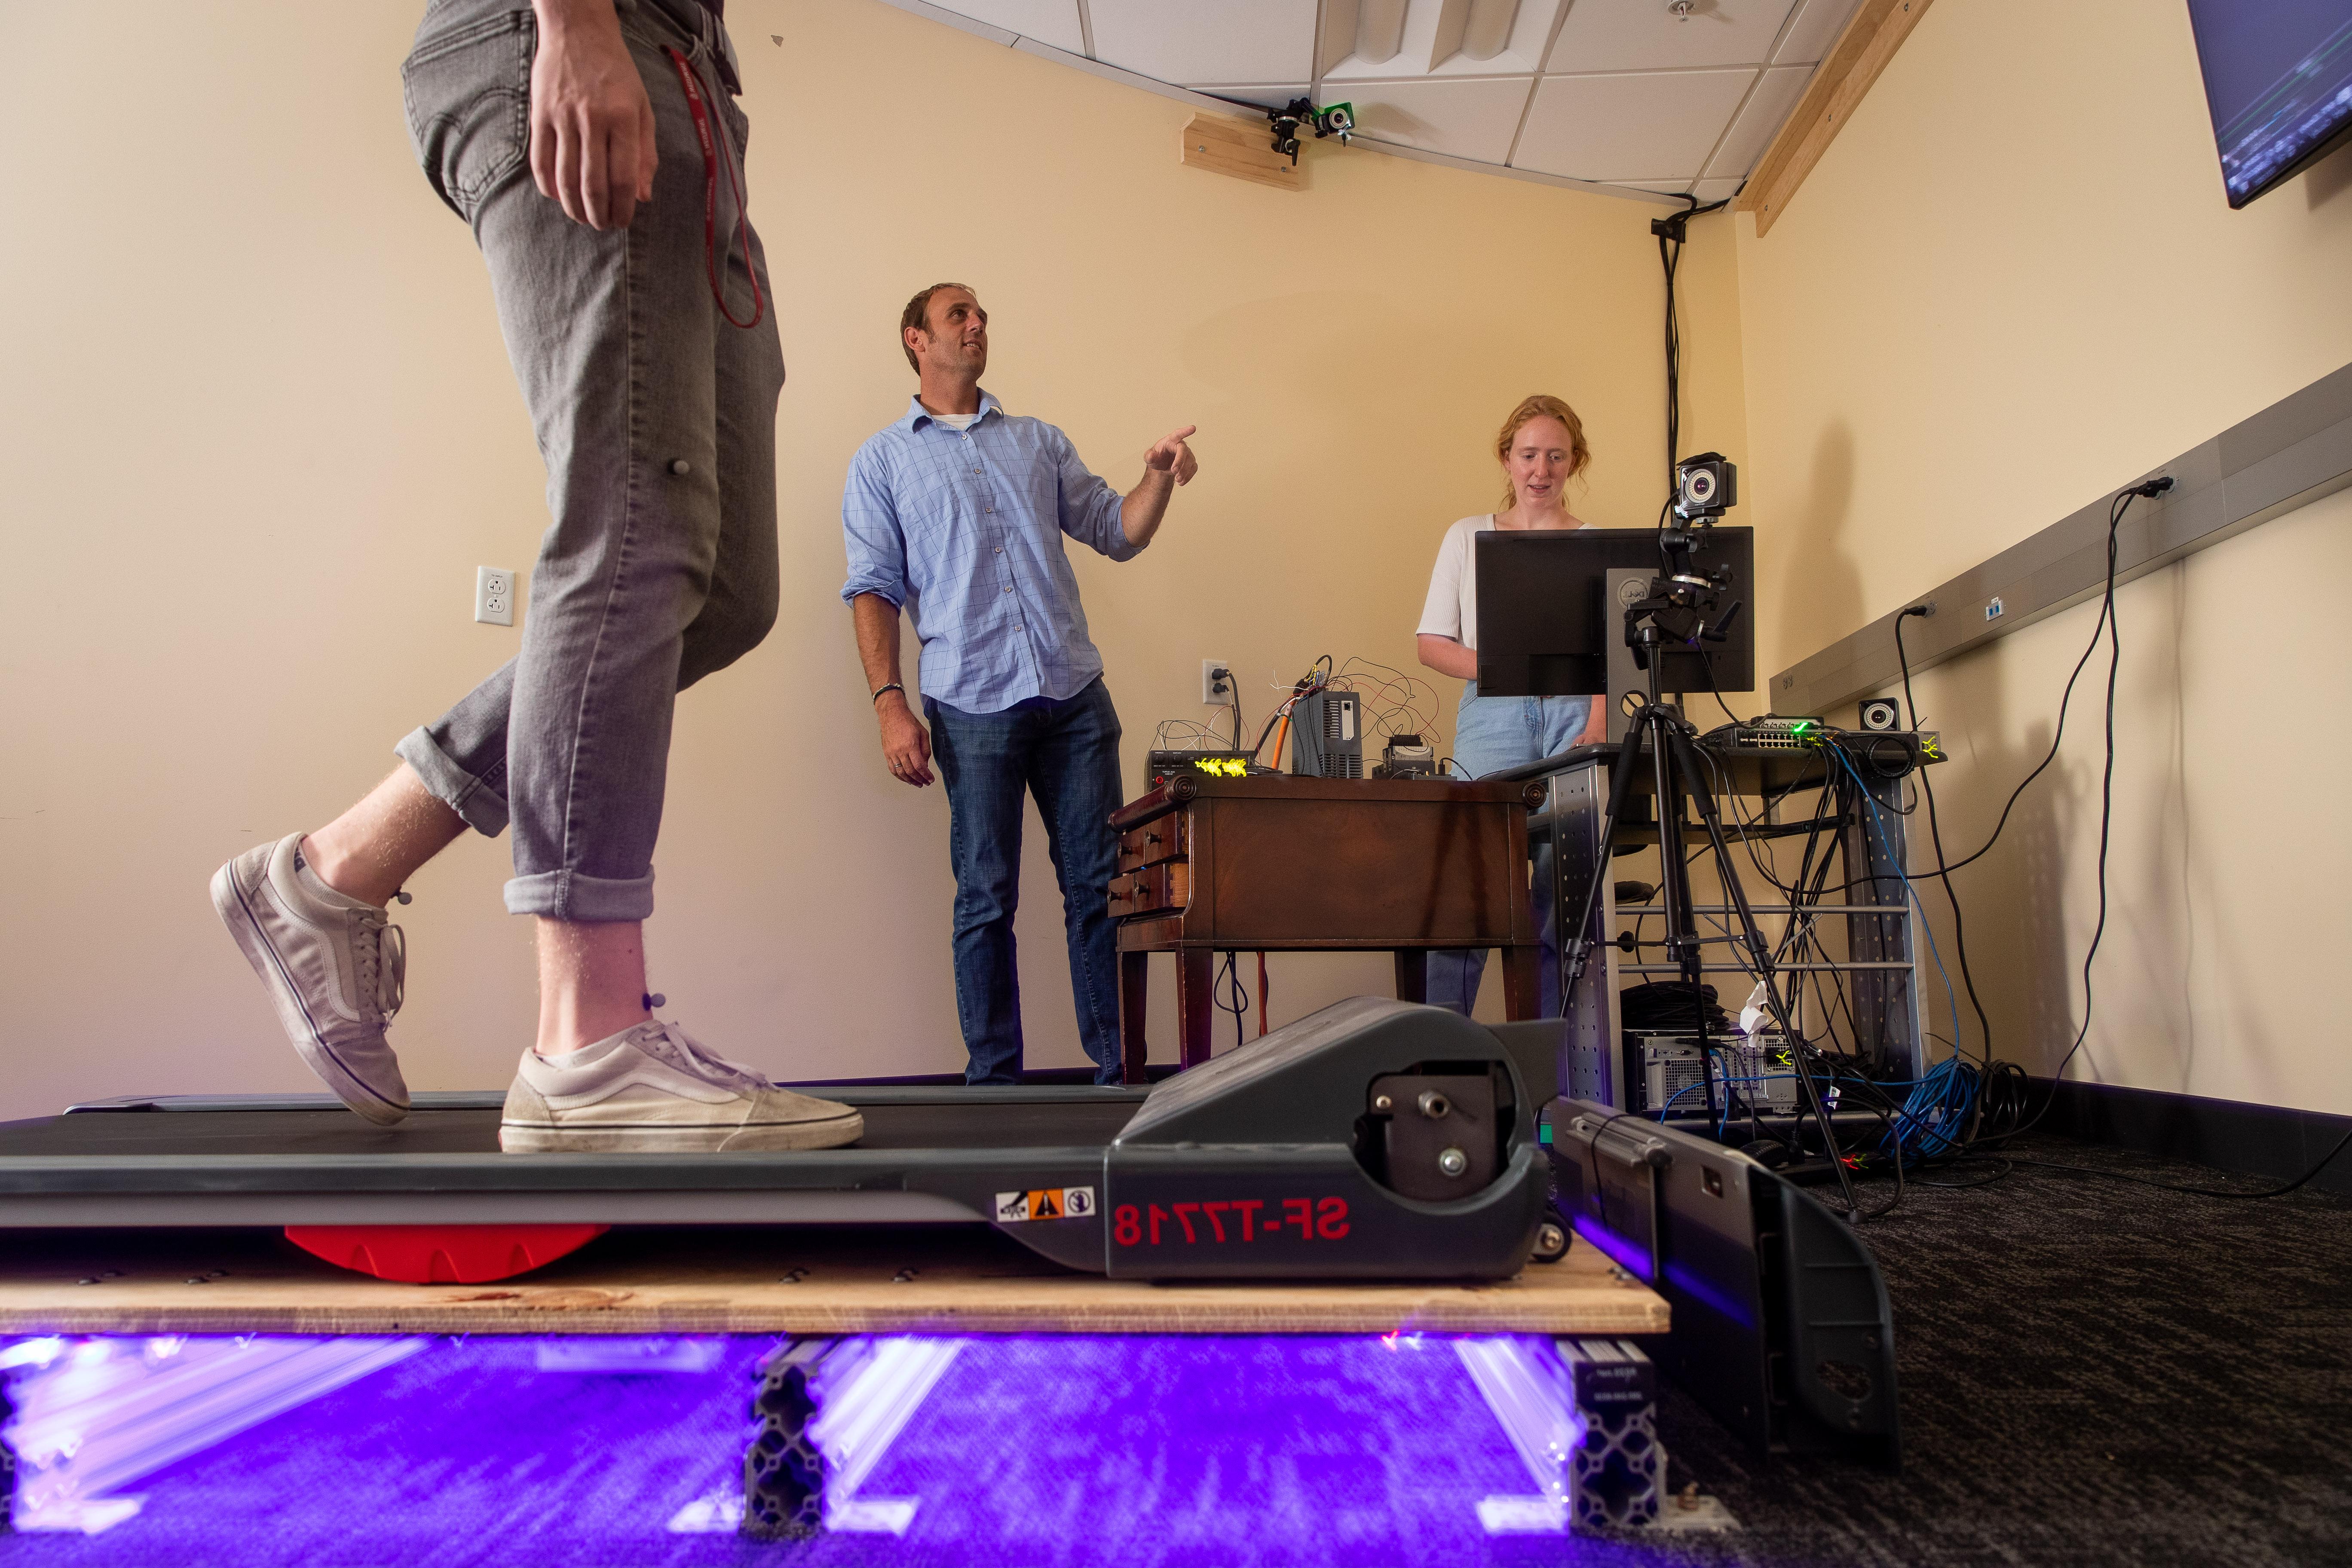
x: 1066, y: 754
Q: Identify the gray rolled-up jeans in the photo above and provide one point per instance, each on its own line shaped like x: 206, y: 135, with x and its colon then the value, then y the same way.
x: 656, y: 416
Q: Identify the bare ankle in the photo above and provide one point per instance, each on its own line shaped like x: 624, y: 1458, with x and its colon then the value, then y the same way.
x: 591, y: 983
x: 375, y: 847
x: 342, y: 872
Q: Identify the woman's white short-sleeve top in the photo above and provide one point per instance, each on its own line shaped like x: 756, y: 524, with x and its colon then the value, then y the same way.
x: 1452, y: 609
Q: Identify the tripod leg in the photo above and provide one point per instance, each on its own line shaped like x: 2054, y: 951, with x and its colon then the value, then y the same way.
x: 1686, y: 762
x: 1674, y: 883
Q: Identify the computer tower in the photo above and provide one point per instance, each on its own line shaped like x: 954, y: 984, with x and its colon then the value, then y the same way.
x: 1662, y: 1071
x: 1327, y: 735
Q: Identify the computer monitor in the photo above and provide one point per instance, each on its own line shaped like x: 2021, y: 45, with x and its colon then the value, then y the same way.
x: 2278, y: 80
x: 1544, y: 629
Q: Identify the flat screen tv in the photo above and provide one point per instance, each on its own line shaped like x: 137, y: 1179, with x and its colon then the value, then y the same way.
x: 2278, y: 80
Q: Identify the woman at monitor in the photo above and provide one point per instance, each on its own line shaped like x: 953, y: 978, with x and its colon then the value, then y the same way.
x: 1542, y: 448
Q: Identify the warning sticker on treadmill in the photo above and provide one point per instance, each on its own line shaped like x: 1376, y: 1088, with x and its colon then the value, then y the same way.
x: 1045, y: 1203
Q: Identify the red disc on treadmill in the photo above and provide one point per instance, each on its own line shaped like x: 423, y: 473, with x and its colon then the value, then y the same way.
x: 442, y: 1254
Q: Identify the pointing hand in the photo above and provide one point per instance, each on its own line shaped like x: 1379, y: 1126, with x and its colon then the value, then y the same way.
x: 1171, y: 456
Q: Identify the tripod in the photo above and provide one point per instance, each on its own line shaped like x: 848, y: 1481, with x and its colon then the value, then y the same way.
x: 1660, y: 732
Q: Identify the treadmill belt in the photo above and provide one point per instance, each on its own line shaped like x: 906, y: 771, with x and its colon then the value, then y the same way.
x: 100, y: 1135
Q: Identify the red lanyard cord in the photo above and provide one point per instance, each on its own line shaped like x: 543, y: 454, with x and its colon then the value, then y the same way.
x: 713, y: 157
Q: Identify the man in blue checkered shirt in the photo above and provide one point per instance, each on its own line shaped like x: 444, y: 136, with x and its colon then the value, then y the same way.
x: 961, y: 507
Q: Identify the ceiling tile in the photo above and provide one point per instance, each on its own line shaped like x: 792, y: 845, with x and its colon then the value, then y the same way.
x: 1643, y: 34
x: 1647, y: 125
x: 1775, y: 94
x: 1467, y: 119
x: 1808, y: 39
x: 1054, y: 22
x: 1207, y: 40
x: 1524, y: 54
x: 1655, y: 187
x: 1710, y: 192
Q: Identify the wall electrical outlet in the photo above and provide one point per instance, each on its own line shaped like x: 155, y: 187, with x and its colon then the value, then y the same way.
x: 494, y: 595
x: 1216, y: 682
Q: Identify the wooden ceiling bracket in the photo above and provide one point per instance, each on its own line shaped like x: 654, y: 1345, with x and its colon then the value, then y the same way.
x: 1871, y: 34
x: 1242, y: 148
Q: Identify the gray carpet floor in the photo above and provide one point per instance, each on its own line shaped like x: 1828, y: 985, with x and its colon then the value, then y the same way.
x: 2092, y: 1372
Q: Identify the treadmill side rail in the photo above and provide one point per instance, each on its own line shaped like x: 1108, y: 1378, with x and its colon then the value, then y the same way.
x: 1781, y: 1323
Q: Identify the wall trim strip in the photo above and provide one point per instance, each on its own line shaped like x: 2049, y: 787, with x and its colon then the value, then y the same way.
x: 2291, y: 454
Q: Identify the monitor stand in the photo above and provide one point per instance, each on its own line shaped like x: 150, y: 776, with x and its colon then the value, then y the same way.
x: 1624, y: 587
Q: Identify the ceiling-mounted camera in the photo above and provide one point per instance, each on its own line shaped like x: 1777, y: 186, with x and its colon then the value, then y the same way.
x: 1335, y: 119
x: 1705, y: 487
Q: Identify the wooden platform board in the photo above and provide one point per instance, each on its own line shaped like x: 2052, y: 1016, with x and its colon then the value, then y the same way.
x: 949, y: 1280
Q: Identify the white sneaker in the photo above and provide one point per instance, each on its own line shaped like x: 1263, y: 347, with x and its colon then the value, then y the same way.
x: 333, y: 966
x: 654, y: 1088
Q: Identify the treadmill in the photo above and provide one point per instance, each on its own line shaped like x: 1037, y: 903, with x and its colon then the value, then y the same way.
x: 1372, y: 1140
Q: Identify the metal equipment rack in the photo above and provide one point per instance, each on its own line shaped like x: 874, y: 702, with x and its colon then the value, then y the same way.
x: 1880, y: 962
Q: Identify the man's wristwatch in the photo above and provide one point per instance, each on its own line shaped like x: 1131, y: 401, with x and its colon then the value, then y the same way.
x: 894, y: 686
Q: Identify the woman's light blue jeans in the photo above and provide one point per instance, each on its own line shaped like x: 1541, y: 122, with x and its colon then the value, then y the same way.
x: 1491, y: 734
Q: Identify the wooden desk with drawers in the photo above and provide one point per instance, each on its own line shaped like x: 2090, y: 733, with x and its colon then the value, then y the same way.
x: 1277, y: 863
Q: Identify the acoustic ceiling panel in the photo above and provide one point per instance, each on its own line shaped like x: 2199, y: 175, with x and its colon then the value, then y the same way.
x: 1054, y: 22
x: 1643, y: 34
x: 1776, y: 93
x: 1636, y: 127
x: 1618, y: 91
x: 1467, y: 119
x: 1521, y: 56
x: 1207, y: 41
x: 1808, y: 39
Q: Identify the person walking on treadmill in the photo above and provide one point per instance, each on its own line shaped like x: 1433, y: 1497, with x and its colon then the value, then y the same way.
x: 964, y: 506
x: 637, y: 321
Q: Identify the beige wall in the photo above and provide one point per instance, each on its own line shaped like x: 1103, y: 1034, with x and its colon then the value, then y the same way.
x: 258, y: 430
x: 2013, y: 285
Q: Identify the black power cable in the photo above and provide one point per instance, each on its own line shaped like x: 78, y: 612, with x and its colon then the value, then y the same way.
x: 2107, y: 783
x: 1672, y: 233
x: 1227, y: 992
x: 2003, y: 1098
x: 1935, y: 834
x: 2107, y: 610
x: 2277, y: 1192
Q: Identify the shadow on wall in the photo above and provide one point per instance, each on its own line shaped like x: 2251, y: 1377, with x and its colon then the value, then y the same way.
x: 2328, y: 178
x: 1820, y: 587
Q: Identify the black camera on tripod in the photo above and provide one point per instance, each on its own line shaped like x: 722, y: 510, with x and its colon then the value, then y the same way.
x: 1705, y: 487
x: 1676, y: 609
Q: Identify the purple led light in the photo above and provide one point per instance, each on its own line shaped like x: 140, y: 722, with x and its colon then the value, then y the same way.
x: 1634, y: 1260
x: 1239, y: 1452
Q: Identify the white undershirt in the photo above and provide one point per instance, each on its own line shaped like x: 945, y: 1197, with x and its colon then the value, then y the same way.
x: 953, y: 421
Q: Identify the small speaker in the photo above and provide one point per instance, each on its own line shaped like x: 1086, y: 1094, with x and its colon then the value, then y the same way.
x: 1881, y: 713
